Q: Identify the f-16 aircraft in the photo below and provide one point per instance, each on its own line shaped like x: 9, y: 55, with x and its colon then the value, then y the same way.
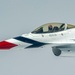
x: 60, y: 36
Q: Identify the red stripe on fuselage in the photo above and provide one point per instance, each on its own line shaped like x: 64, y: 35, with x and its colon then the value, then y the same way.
x: 6, y: 45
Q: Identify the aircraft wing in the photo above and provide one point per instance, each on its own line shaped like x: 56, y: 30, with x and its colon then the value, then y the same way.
x: 64, y: 50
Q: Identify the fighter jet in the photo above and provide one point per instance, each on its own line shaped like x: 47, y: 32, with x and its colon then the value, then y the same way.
x: 60, y: 36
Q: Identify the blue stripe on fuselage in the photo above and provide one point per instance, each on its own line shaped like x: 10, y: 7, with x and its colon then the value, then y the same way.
x: 27, y: 40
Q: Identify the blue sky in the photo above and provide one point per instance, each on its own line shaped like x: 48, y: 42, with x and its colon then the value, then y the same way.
x: 23, y: 16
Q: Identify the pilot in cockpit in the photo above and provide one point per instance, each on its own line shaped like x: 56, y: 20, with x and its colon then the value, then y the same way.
x: 50, y: 28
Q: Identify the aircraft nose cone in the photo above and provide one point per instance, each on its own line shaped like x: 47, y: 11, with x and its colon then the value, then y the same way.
x: 6, y: 45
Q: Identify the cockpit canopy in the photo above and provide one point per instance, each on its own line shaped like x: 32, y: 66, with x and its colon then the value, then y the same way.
x: 52, y: 27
